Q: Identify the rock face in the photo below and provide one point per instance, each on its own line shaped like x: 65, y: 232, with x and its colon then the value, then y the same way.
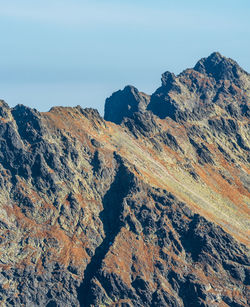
x: 124, y: 104
x: 150, y: 210
x: 215, y: 82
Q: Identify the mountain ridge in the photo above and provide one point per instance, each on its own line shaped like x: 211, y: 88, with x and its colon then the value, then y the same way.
x: 137, y: 210
x: 212, y: 76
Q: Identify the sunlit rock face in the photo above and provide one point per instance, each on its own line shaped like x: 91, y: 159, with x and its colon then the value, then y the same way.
x: 146, y: 207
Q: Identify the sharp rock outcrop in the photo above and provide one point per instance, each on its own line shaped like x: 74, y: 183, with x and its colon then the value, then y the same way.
x: 149, y: 207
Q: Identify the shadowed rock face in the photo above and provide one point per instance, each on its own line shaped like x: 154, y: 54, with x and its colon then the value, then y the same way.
x: 220, y: 68
x: 153, y: 211
x: 215, y: 82
x: 124, y: 104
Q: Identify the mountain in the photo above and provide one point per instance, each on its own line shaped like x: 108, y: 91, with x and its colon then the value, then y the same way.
x: 146, y: 207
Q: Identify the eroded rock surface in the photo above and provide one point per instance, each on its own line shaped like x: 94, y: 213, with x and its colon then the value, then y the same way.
x: 151, y: 210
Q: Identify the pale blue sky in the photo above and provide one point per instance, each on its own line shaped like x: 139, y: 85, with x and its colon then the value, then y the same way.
x: 69, y: 52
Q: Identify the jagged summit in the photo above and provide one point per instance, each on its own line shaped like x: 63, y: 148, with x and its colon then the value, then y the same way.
x: 191, y: 95
x: 4, y: 108
x: 151, y: 212
x: 124, y: 103
x: 219, y: 67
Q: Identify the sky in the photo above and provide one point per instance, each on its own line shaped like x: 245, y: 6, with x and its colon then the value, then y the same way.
x: 77, y: 52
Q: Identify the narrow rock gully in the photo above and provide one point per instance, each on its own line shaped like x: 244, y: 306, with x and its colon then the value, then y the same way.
x: 111, y: 217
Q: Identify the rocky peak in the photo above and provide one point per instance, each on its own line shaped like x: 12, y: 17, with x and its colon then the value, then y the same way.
x: 152, y: 212
x: 93, y: 116
x: 124, y: 103
x: 219, y: 67
x: 28, y: 122
x: 90, y: 113
x: 3, y: 104
x: 4, y: 109
x: 194, y: 94
x: 168, y: 78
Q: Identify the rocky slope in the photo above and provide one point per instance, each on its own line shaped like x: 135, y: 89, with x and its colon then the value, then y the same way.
x: 149, y: 207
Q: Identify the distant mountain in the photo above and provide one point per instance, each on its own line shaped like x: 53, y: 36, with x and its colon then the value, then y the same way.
x: 146, y: 207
